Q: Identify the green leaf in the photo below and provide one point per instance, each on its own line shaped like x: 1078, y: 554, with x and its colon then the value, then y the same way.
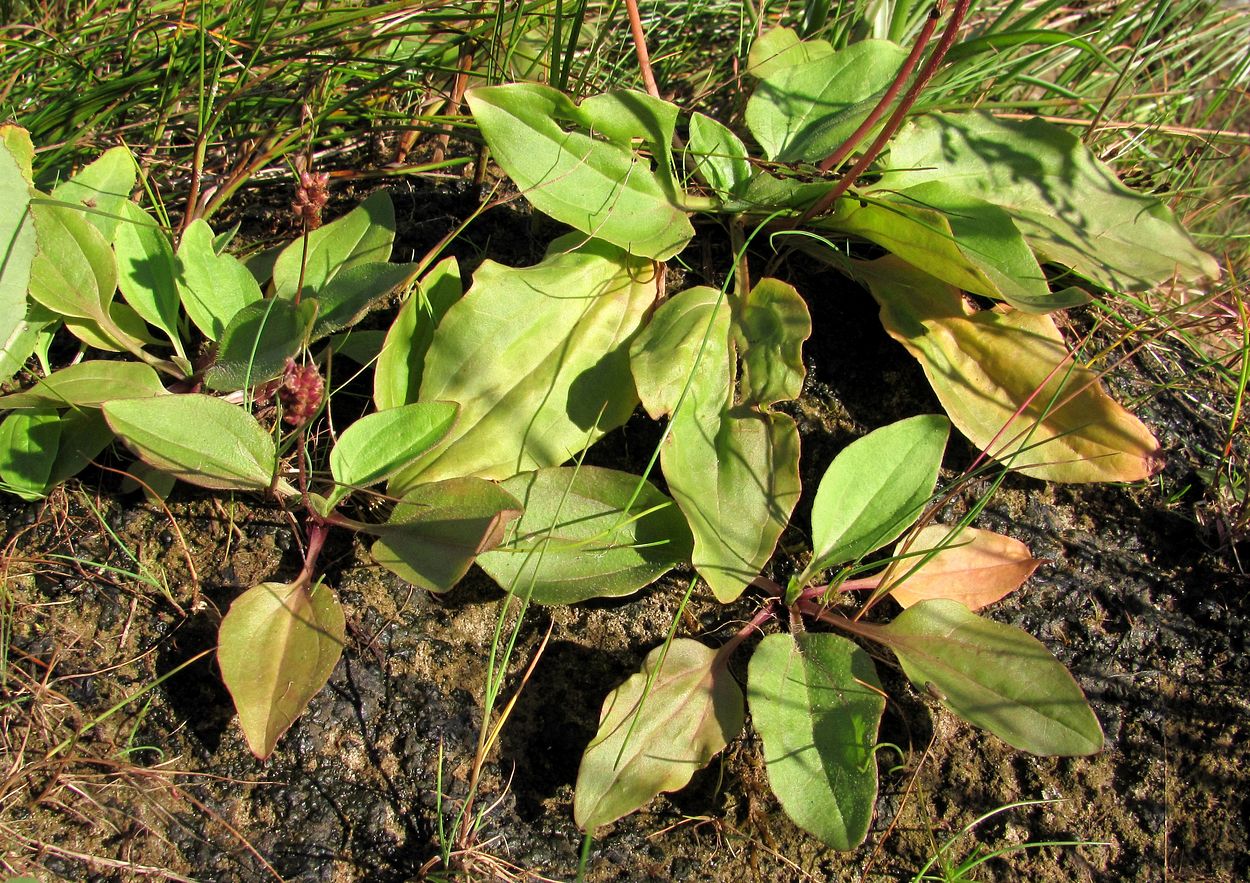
x: 397, y: 375
x: 84, y: 434
x: 736, y: 478
x: 988, y: 237
x: 1009, y: 384
x: 17, y: 253
x: 155, y: 484
x: 537, y: 359
x: 817, y: 703
x: 376, y: 446
x: 766, y: 192
x: 276, y: 647
x: 803, y: 112
x: 920, y: 236
x: 719, y: 156
x: 691, y: 327
x: 73, y: 273
x: 580, y: 165
x: 200, y: 439
x: 213, y: 287
x: 28, y: 446
x: 125, y: 330
x: 88, y: 384
x: 586, y: 532
x: 774, y: 325
x: 16, y: 141
x: 258, y: 341
x: 959, y: 239
x: 780, y: 48
x: 104, y: 188
x: 345, y: 299
x: 653, y: 741
x: 732, y: 470
x: 437, y: 530
x: 1069, y: 206
x: 875, y: 489
x: 362, y: 236
x: 146, y: 272
x: 362, y: 347
x: 995, y: 676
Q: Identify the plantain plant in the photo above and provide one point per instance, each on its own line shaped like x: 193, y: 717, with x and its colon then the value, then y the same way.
x: 983, y: 229
x: 204, y: 368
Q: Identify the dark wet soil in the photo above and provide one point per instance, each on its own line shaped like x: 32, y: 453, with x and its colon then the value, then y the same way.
x: 152, y: 779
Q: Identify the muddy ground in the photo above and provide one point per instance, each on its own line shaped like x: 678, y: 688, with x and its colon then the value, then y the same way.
x: 122, y: 761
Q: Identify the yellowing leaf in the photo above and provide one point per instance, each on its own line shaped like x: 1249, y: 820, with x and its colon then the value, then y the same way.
x: 538, y: 359
x: 974, y: 567
x: 1008, y: 382
x: 276, y: 647
x: 655, y: 741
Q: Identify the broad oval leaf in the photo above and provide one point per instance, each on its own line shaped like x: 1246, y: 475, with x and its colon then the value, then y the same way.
x: 779, y: 48
x: 689, y: 333
x: 960, y: 239
x: 73, y: 273
x: 258, y: 341
x: 732, y: 470
x: 362, y: 347
x: 586, y: 532
x: 102, y: 187
x: 538, y: 360
x: 989, y: 238
x: 397, y: 375
x: 28, y: 446
x: 88, y: 384
x: 146, y: 272
x: 213, y: 286
x: 16, y: 142
x: 649, y: 742
x: 437, y: 530
x: 345, y: 299
x: 767, y: 193
x: 736, y: 478
x: 719, y: 156
x: 197, y: 438
x: 817, y: 703
x: 364, y: 235
x: 25, y: 336
x: 995, y: 676
x: 875, y: 489
x: 803, y: 112
x: 774, y: 324
x: 919, y: 235
x: 1009, y: 383
x: 378, y: 445
x: 1070, y: 207
x: 579, y: 164
x: 125, y: 330
x: 971, y: 566
x: 277, y: 646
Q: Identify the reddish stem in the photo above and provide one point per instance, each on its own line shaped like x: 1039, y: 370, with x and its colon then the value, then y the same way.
x: 762, y: 616
x: 835, y: 159
x: 900, y: 113
x: 318, y: 530
x: 640, y: 47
